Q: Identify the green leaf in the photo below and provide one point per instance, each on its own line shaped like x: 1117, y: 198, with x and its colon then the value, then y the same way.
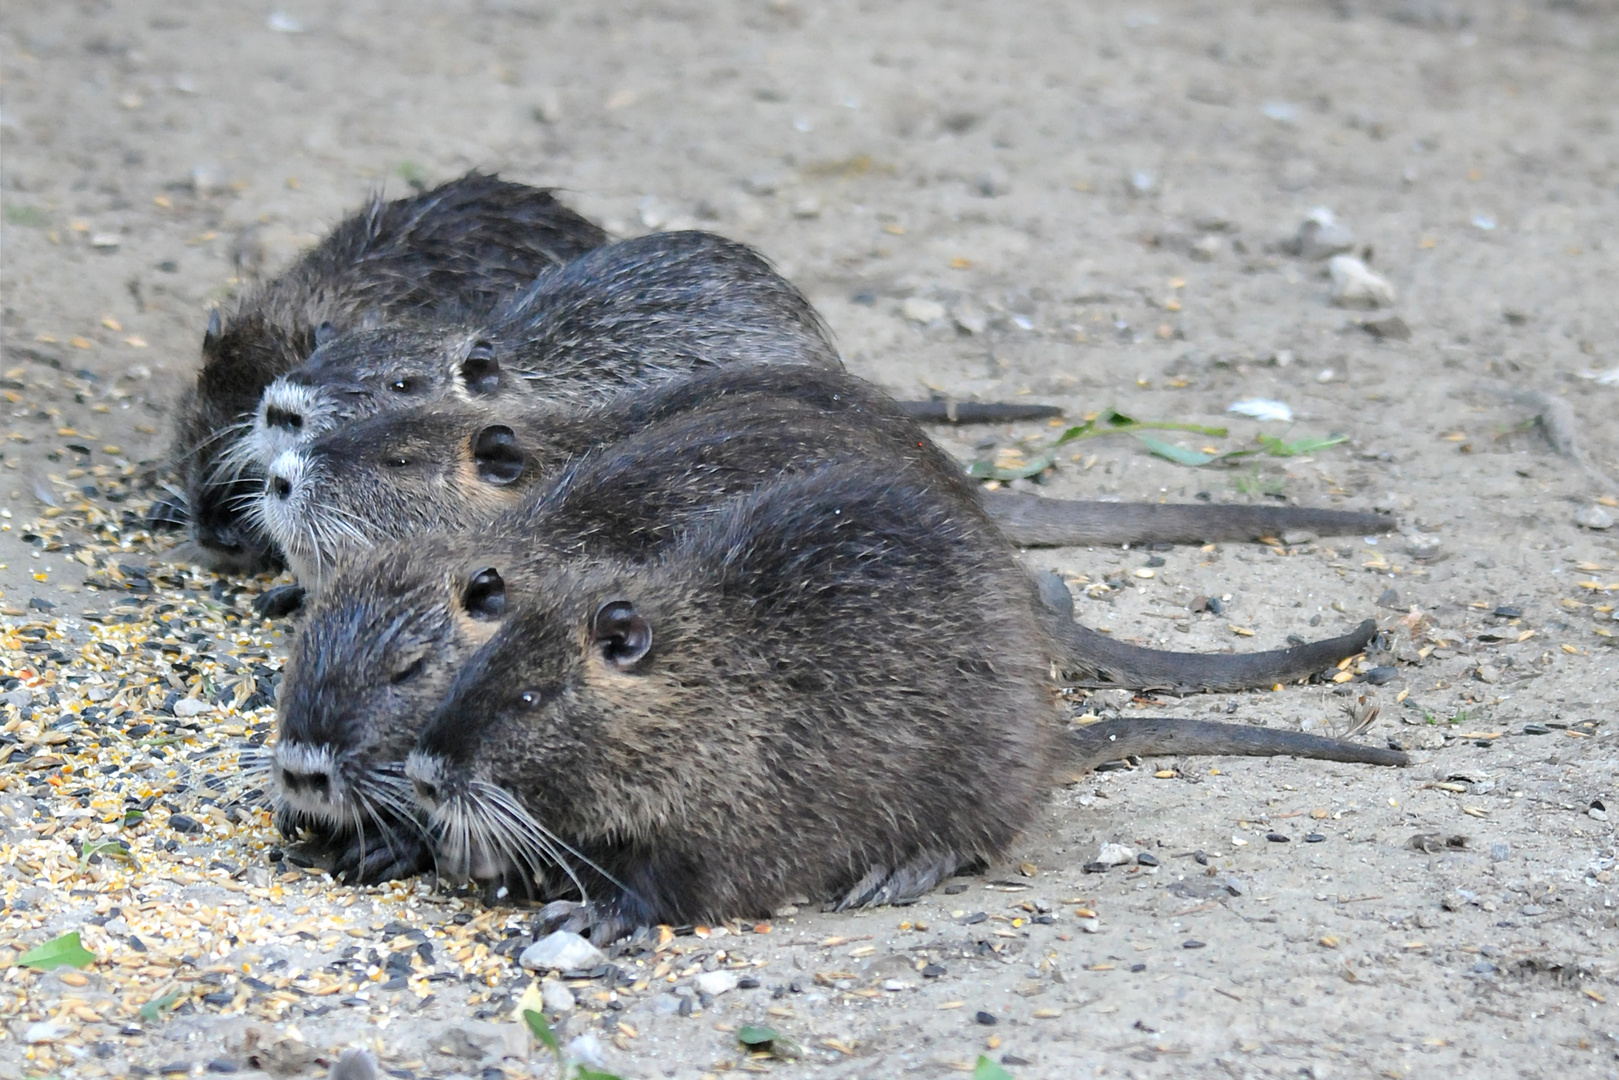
x: 53, y: 954
x: 986, y: 1069
x: 112, y: 849
x: 1277, y: 448
x: 756, y: 1036
x: 412, y: 174
x: 542, y: 1031
x: 580, y: 1072
x: 31, y: 216
x: 1178, y: 454
x: 152, y: 1009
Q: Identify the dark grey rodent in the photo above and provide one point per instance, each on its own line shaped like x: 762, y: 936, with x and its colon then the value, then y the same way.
x: 354, y: 696
x: 450, y: 252
x: 453, y: 464
x: 838, y: 685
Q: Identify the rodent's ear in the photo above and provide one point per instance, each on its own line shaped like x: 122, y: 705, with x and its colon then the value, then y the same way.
x: 622, y: 635
x: 485, y: 597
x: 480, y: 371
x: 325, y: 332
x: 210, y: 336
x: 498, y: 457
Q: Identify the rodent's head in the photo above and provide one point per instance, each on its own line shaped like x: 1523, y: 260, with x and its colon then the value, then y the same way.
x: 441, y: 467
x: 361, y: 373
x: 583, y: 703
x: 377, y: 651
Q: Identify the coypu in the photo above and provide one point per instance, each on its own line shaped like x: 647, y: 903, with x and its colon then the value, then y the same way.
x: 838, y: 685
x: 390, y: 626
x: 629, y: 313
x: 453, y: 464
x: 459, y: 248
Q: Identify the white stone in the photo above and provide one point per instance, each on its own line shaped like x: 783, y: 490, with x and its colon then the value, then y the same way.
x: 1593, y: 517
x: 1355, y: 286
x: 1091, y: 925
x: 46, y: 1031
x: 561, y: 951
x: 1115, y: 855
x: 1262, y: 409
x: 715, y: 983
x: 188, y: 707
x: 1322, y: 235
x: 556, y: 997
x: 917, y: 309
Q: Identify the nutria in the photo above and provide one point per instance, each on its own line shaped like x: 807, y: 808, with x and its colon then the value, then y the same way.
x: 627, y: 314
x: 452, y: 464
x: 838, y: 685
x: 457, y: 249
x: 385, y: 634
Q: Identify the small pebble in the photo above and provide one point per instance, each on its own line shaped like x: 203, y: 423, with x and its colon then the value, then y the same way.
x: 920, y: 310
x: 1193, y: 943
x: 1146, y: 859
x: 1597, y: 811
x: 1506, y: 611
x: 1115, y: 855
x: 1488, y: 673
x: 1377, y: 676
x: 1314, y: 838
x: 561, y: 951
x: 1593, y: 517
x: 1278, y: 838
x: 934, y: 971
x: 180, y: 823
x: 988, y: 1019
x: 1389, y: 328
x: 1355, y: 286
x: 715, y: 983
x: 1389, y: 599
x: 1536, y: 729
x: 556, y: 997
x: 1322, y: 236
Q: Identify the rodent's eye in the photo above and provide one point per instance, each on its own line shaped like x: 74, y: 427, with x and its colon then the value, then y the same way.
x: 402, y: 386
x: 533, y: 699
x: 398, y: 461
x: 409, y: 672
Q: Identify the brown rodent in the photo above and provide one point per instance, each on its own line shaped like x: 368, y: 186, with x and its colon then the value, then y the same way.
x: 838, y: 685
x: 453, y: 464
x: 392, y: 624
x: 447, y: 253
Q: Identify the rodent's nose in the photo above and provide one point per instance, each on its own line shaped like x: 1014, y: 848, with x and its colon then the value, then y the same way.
x: 277, y: 417
x: 317, y: 783
x: 281, y: 487
x: 426, y: 791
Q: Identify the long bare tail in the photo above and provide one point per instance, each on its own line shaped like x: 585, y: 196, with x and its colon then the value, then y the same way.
x: 1093, y: 659
x: 1110, y: 740
x: 1032, y: 521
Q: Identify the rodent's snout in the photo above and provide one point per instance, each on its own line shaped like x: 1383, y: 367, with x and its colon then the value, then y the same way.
x: 426, y: 773
x: 281, y: 487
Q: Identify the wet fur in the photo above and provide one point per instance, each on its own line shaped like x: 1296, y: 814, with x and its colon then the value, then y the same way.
x: 464, y: 246
x: 848, y: 694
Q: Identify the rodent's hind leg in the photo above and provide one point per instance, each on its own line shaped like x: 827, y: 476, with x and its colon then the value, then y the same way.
x: 908, y: 881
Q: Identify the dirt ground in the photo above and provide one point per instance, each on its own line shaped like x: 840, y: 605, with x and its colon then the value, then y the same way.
x: 1088, y: 204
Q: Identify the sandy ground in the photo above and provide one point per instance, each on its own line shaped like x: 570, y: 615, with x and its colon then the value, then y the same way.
x: 1086, y: 204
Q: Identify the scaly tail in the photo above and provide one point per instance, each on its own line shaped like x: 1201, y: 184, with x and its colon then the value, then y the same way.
x: 1031, y: 521
x: 1092, y: 659
x: 1110, y: 740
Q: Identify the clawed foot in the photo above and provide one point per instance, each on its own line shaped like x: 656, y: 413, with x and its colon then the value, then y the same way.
x: 279, y: 602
